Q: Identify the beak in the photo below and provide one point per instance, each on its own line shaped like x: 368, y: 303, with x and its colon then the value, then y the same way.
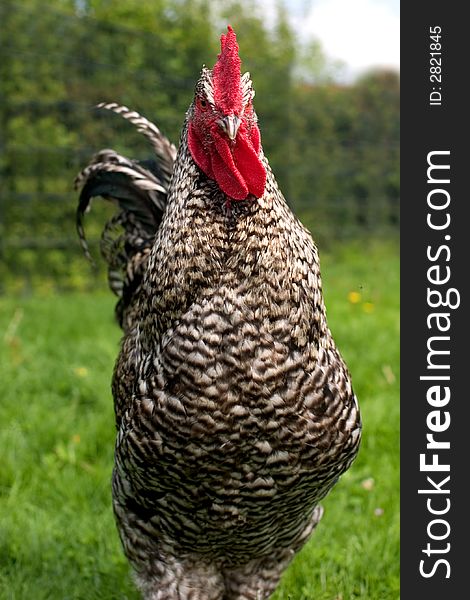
x: 230, y: 125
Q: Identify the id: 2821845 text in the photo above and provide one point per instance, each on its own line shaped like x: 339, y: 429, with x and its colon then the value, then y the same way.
x: 435, y: 65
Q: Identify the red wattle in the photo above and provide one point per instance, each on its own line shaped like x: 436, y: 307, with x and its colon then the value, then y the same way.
x: 236, y: 167
x: 200, y: 156
x: 226, y: 173
x: 249, y: 164
x: 255, y: 138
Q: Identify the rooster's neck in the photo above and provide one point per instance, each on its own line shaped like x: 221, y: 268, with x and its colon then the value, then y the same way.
x: 255, y: 246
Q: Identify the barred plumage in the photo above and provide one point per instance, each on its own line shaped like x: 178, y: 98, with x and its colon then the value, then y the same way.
x: 163, y: 148
x: 235, y: 412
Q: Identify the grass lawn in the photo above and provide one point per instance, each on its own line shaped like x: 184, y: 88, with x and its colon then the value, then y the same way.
x: 57, y: 533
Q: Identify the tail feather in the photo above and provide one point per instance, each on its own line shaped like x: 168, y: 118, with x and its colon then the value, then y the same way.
x: 164, y: 149
x: 139, y: 189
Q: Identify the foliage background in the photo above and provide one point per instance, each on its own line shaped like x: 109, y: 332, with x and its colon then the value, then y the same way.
x: 334, y: 148
x: 335, y: 151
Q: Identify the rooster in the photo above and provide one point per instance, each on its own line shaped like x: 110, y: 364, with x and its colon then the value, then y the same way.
x: 234, y: 410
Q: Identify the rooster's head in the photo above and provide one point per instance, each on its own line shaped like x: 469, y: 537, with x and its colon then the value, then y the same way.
x: 223, y: 136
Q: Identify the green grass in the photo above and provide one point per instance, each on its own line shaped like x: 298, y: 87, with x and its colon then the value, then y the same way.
x: 57, y: 534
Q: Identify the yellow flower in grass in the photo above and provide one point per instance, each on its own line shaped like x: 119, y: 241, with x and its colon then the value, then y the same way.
x: 368, y: 307
x: 354, y: 297
x: 81, y: 371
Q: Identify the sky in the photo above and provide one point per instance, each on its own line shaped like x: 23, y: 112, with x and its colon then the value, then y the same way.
x: 363, y: 34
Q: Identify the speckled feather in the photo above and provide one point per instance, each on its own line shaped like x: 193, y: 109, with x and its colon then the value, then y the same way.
x: 234, y: 410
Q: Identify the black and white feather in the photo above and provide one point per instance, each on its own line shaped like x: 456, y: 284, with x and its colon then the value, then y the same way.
x: 139, y: 189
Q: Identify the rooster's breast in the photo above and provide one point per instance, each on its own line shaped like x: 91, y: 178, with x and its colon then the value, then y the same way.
x: 239, y: 429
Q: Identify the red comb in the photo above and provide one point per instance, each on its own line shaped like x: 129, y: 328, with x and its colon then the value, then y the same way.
x: 226, y: 75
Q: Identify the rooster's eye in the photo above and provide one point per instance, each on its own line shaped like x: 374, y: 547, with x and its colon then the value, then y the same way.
x: 203, y: 103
